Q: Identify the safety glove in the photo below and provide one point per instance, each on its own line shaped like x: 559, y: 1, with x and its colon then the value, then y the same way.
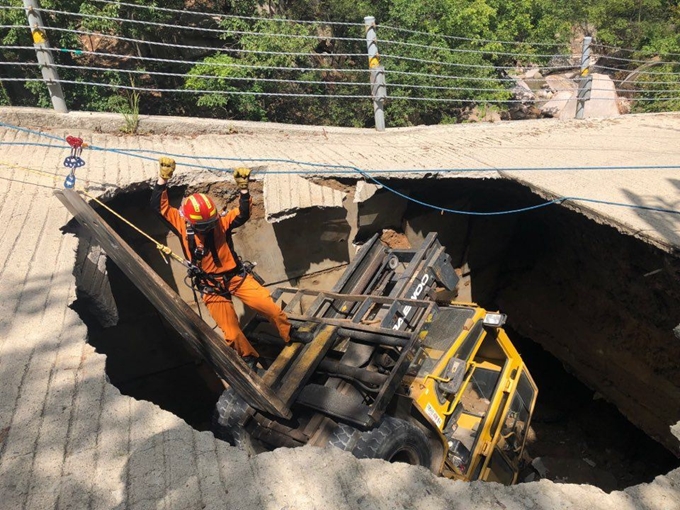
x: 167, y: 167
x: 242, y: 177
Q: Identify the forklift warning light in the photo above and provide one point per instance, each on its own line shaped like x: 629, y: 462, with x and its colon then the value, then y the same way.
x: 494, y: 320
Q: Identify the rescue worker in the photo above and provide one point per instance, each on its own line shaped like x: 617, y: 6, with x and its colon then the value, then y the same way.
x: 207, y: 243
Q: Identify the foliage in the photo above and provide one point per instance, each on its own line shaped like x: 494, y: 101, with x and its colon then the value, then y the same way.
x: 659, y: 88
x: 460, y: 57
x: 130, y: 111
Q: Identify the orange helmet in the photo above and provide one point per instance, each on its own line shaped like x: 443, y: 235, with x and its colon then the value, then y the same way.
x: 200, y: 210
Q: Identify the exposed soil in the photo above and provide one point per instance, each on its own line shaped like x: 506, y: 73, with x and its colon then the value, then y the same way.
x: 579, y: 437
x: 226, y: 196
x: 604, y: 303
x: 592, y: 298
x: 394, y: 239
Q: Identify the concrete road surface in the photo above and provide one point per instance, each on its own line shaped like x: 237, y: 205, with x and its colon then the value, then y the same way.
x: 69, y: 439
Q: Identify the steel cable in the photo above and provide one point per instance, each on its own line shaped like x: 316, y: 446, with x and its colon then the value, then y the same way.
x: 226, y: 16
x: 209, y: 48
x: 166, y: 25
x: 190, y: 62
x: 184, y: 75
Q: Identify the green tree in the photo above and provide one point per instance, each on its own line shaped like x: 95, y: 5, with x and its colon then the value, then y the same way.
x: 441, y: 57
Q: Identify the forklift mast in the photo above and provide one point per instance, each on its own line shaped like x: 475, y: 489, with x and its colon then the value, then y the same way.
x: 367, y: 329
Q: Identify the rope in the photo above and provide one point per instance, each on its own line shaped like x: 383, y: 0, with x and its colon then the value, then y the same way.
x: 223, y: 31
x: 638, y: 71
x: 473, y: 66
x: 330, y: 96
x: 31, y: 170
x: 335, y: 168
x: 652, y: 52
x: 634, y: 61
x: 367, y: 175
x: 165, y: 250
x: 214, y: 15
x: 512, y: 211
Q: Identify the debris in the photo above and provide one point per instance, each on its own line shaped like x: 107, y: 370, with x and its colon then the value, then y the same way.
x: 540, y: 468
x: 589, y: 462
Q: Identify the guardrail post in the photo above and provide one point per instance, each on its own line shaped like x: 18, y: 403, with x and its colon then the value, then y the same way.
x: 378, y: 84
x: 42, y: 51
x: 585, y: 84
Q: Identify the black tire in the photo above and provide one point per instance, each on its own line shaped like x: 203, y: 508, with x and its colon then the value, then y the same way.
x: 395, y: 440
x: 229, y: 411
x: 344, y: 437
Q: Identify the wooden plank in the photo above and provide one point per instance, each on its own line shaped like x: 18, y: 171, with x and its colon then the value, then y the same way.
x: 282, y: 361
x: 306, y: 363
x: 198, y: 335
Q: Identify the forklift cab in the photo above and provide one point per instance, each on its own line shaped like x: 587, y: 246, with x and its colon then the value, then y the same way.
x: 475, y: 389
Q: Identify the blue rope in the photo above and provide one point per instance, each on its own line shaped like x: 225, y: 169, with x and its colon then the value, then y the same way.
x: 367, y: 174
x: 131, y: 153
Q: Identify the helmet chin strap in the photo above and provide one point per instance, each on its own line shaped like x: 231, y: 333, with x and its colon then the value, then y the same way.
x: 205, y: 228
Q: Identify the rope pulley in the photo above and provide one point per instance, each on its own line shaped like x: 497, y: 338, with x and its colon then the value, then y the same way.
x: 74, y: 160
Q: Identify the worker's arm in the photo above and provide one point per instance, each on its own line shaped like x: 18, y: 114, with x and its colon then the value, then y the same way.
x: 159, y: 195
x: 239, y: 215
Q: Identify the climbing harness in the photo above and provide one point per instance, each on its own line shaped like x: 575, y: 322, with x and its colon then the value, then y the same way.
x: 249, y: 268
x: 74, y: 160
x: 214, y: 283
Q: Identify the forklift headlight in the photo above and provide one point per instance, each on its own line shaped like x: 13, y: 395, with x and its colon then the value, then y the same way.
x: 494, y: 320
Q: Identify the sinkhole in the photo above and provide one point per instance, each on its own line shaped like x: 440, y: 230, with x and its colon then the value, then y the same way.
x: 592, y: 311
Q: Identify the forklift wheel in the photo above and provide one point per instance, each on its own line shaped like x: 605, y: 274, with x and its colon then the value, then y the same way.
x: 229, y: 411
x: 344, y: 437
x: 395, y: 440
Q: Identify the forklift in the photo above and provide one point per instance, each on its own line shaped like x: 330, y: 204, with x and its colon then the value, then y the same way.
x: 392, y: 371
x: 386, y: 364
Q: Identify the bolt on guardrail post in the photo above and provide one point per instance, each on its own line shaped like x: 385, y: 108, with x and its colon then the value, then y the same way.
x: 378, y: 84
x: 585, y: 84
x: 42, y: 51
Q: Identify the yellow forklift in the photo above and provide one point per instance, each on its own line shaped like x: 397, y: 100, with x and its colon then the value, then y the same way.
x: 390, y: 371
x: 383, y: 366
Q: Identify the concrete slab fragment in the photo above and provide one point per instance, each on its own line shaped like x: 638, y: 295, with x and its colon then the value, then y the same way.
x: 284, y: 194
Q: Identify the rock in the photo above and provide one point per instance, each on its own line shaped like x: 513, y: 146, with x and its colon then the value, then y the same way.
x: 533, y: 74
x: 540, y: 468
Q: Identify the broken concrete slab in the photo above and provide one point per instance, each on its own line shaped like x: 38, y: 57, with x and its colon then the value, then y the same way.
x: 285, y: 194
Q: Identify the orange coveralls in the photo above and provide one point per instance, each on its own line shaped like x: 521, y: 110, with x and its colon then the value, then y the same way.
x: 218, y: 243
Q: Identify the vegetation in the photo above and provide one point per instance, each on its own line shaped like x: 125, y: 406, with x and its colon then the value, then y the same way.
x: 445, y: 53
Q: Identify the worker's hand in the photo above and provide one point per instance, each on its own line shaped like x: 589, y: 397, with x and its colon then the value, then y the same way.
x: 242, y: 177
x: 167, y: 167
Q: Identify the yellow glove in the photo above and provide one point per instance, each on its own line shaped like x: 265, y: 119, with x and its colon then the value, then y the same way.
x: 242, y: 177
x: 167, y: 167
